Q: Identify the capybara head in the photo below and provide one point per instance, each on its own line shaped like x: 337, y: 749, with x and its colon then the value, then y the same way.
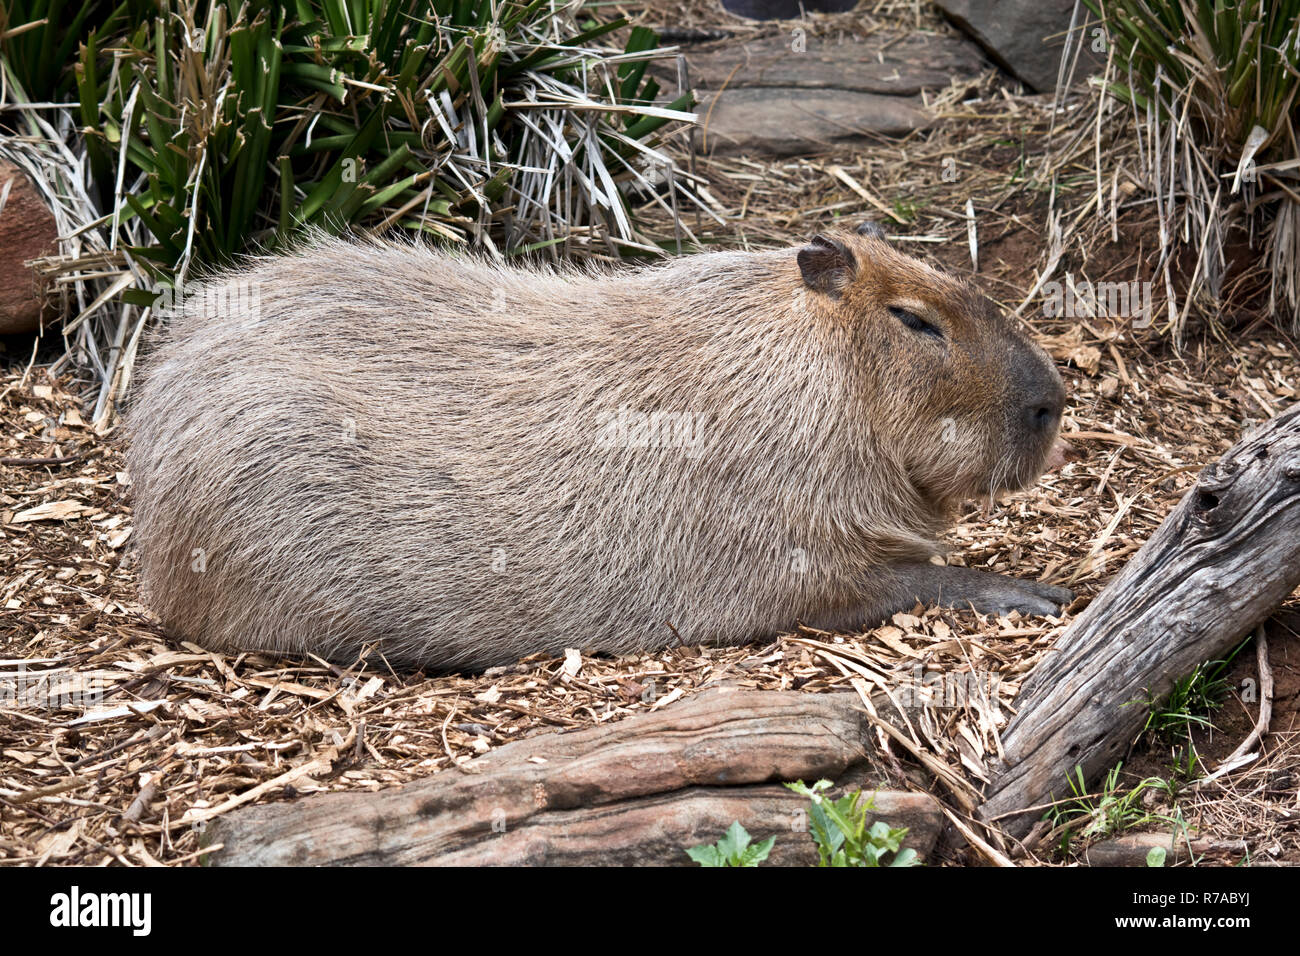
x: 953, y: 389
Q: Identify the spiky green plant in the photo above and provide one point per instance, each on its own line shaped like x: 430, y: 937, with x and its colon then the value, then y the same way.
x: 213, y: 128
x: 1212, y: 89
x: 457, y: 118
x: 1190, y: 702
x: 1113, y: 810
x: 39, y: 38
x: 1232, y: 66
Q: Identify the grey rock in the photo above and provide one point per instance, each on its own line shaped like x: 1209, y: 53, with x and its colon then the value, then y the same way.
x: 780, y: 121
x: 789, y: 94
x: 1025, y: 37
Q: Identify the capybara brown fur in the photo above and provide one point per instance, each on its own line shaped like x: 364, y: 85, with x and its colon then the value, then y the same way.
x: 461, y: 463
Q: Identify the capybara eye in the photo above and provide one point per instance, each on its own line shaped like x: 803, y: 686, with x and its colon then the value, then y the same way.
x: 915, y: 322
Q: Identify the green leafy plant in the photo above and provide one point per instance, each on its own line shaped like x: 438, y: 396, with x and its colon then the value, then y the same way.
x: 734, y: 849
x: 215, y: 127
x: 844, y: 834
x: 842, y: 830
x: 1114, y: 810
x: 905, y: 209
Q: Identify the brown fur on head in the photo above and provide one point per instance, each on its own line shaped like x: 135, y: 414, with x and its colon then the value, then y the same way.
x: 953, y: 389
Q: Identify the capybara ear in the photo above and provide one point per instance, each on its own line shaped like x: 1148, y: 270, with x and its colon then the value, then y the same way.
x: 872, y: 229
x: 827, y: 265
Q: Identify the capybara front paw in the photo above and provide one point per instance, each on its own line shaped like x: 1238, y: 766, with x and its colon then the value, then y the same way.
x: 1027, y: 597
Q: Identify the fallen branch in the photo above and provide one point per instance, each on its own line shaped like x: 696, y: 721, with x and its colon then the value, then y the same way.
x: 639, y: 791
x: 1226, y: 557
x: 1132, y: 850
x: 30, y: 462
x: 1265, y: 702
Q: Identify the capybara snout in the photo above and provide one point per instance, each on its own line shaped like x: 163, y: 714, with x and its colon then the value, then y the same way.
x: 1039, y: 402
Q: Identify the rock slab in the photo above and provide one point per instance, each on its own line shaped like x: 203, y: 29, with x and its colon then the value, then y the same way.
x: 790, y: 93
x: 1024, y: 37
x: 27, y: 231
x: 635, y: 792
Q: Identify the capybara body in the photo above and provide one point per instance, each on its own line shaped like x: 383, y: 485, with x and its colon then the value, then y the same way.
x: 461, y: 463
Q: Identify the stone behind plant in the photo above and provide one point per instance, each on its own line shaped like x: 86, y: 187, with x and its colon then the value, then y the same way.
x: 1025, y: 37
x: 27, y: 231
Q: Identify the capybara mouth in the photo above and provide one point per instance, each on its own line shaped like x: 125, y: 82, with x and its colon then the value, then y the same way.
x: 1030, y: 469
x: 1058, y: 454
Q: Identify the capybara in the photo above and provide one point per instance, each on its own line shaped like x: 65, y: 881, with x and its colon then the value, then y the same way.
x: 460, y: 463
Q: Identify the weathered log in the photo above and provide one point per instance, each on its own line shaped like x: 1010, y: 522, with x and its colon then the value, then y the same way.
x: 635, y: 792
x: 1132, y: 849
x: 1226, y: 557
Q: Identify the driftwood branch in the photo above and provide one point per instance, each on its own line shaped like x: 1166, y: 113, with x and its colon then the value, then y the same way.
x: 1241, y: 753
x: 1132, y: 850
x: 32, y: 462
x: 638, y: 791
x: 1226, y: 557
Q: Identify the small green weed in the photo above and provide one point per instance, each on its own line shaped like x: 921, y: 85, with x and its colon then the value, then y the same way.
x: 734, y: 849
x: 841, y: 829
x: 1112, y: 811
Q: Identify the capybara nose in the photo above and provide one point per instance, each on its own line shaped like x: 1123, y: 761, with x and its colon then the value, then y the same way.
x: 1043, y: 415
